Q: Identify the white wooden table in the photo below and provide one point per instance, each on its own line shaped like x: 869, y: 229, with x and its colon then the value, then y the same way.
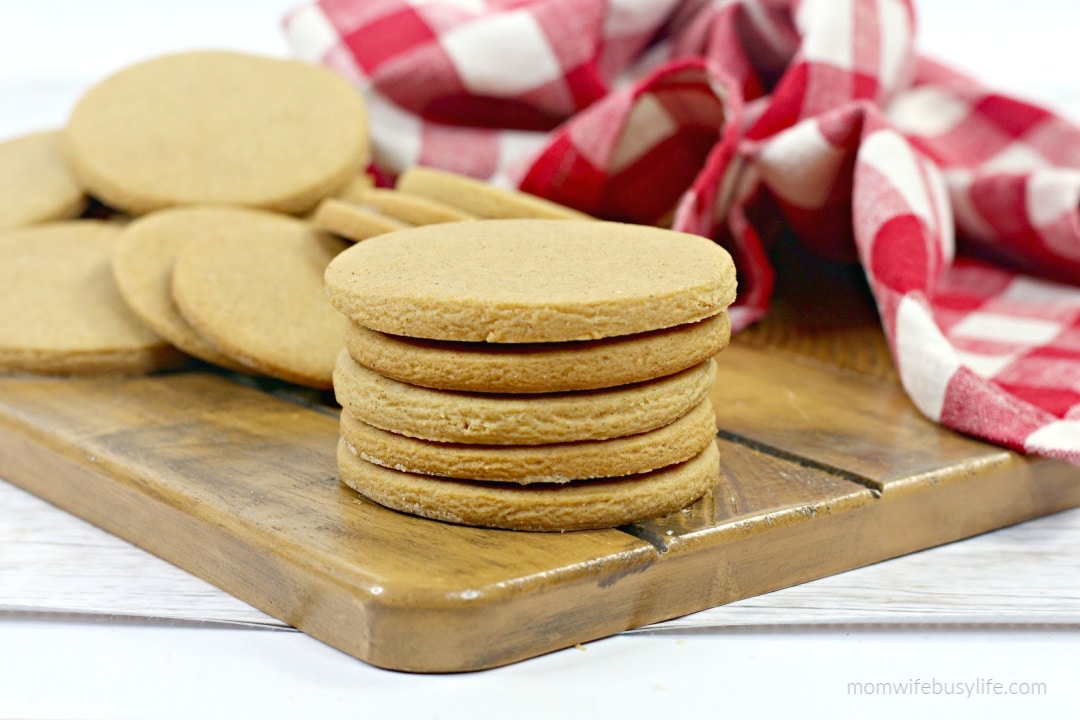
x: 93, y: 627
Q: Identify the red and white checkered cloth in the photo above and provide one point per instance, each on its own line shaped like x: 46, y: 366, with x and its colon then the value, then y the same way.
x: 961, y: 204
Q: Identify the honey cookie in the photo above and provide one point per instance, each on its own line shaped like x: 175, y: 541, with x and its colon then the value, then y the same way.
x: 481, y: 198
x: 217, y: 127
x: 36, y: 185
x: 525, y: 281
x: 539, y: 367
x: 552, y: 463
x: 253, y: 288
x: 409, y: 208
x: 353, y: 222
x: 143, y: 264
x: 60, y: 310
x: 500, y: 419
x: 583, y: 505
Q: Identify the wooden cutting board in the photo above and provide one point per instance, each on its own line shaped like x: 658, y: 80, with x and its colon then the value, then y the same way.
x: 826, y: 467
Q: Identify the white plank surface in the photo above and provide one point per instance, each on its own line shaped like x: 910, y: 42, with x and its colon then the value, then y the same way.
x: 154, y: 672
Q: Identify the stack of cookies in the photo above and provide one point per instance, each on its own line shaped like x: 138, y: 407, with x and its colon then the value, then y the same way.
x: 530, y: 374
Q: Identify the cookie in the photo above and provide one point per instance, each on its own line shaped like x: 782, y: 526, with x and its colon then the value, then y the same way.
x: 575, y: 506
x: 355, y: 188
x: 409, y: 208
x: 539, y: 367
x: 60, y: 310
x: 353, y: 222
x: 480, y: 198
x: 551, y: 463
x: 35, y: 183
x: 526, y: 281
x: 143, y: 264
x: 498, y: 419
x: 217, y: 127
x: 253, y: 288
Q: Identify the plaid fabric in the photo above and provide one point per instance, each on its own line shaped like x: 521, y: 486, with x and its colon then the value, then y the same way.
x: 960, y: 203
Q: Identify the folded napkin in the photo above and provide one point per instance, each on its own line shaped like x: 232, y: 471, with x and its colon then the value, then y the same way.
x: 961, y: 204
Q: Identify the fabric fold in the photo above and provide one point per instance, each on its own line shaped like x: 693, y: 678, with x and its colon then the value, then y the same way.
x: 959, y: 203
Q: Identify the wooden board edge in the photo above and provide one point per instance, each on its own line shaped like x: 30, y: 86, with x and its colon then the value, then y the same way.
x: 422, y: 629
x: 962, y: 505
x: 469, y: 632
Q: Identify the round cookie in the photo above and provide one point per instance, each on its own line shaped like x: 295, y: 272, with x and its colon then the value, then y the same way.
x: 253, y: 288
x: 521, y: 281
x: 35, y: 183
x: 539, y: 367
x: 497, y: 419
x: 217, y: 127
x: 554, y: 463
x: 60, y: 310
x: 480, y: 198
x: 143, y: 264
x: 584, y: 505
x: 353, y: 222
x: 411, y: 209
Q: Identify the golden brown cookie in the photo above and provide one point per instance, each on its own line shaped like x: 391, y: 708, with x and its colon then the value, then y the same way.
x: 218, y: 127
x: 539, y: 367
x: 253, y: 288
x: 35, y: 183
x: 409, y: 208
x: 552, y: 463
x: 480, y: 198
x: 143, y: 264
x: 60, y: 310
x: 522, y: 281
x: 500, y: 419
x: 353, y: 222
x: 582, y: 505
